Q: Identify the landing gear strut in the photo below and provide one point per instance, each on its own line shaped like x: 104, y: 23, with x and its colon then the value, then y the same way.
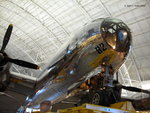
x: 107, y: 93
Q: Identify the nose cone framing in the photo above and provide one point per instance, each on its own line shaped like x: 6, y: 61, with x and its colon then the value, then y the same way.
x: 116, y: 34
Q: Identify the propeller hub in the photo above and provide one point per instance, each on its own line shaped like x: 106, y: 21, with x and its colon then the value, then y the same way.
x: 1, y: 57
x: 3, y: 60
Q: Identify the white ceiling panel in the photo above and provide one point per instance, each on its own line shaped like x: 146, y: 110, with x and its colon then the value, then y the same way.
x: 41, y: 27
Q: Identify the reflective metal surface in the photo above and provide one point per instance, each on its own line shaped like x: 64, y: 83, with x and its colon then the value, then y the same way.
x: 103, y: 38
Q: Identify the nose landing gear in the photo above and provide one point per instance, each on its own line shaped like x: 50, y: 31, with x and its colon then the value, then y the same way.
x: 107, y: 93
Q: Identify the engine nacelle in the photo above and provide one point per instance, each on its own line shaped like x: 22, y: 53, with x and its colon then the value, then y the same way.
x: 4, y: 77
x: 45, y: 106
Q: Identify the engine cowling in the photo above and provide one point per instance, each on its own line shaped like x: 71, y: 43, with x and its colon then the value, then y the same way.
x: 4, y: 77
x: 45, y: 106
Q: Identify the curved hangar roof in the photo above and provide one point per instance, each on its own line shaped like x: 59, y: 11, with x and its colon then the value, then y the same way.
x: 42, y: 26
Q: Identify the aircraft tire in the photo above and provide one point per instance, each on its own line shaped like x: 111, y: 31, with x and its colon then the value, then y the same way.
x: 99, y: 98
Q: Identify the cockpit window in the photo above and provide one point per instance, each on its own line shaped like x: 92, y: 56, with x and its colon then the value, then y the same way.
x: 116, y: 34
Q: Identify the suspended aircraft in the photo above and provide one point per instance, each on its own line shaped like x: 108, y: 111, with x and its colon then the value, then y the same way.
x: 101, y: 46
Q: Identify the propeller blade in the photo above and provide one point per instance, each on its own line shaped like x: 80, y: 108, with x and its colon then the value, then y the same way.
x: 117, y: 77
x: 23, y: 63
x: 7, y: 37
x: 135, y: 89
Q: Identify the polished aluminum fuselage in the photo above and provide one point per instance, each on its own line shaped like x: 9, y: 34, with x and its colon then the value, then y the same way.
x: 76, y: 61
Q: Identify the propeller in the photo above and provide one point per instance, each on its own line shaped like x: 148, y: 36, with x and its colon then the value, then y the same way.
x: 4, y: 58
x: 6, y: 37
x: 117, y: 77
x: 135, y: 89
x: 129, y: 88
